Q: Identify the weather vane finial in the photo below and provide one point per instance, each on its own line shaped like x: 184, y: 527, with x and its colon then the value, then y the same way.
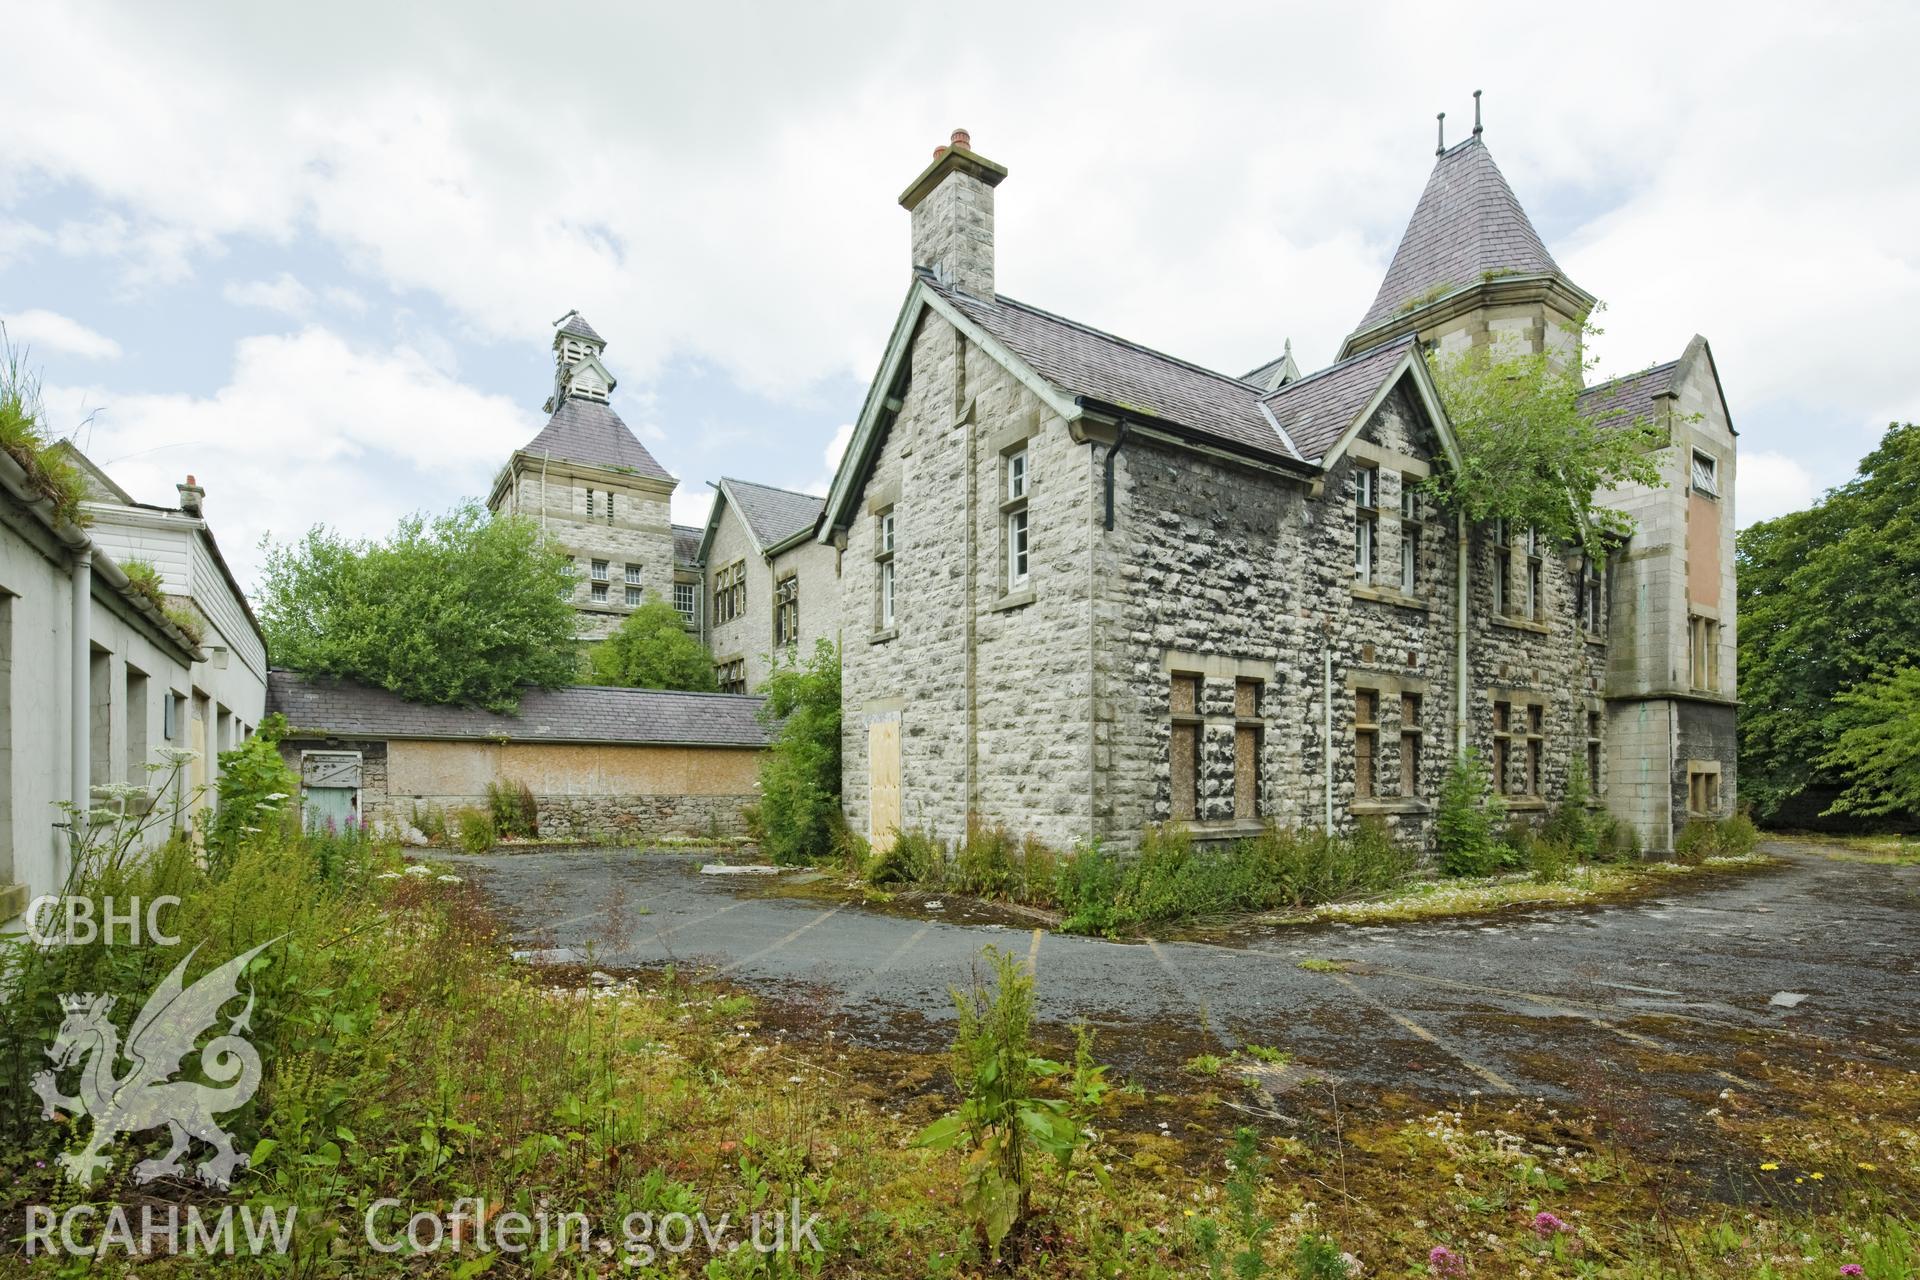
x: 1477, y: 127
x: 1440, y: 147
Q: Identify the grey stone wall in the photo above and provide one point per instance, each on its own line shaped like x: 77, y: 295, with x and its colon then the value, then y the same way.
x: 750, y: 636
x: 640, y: 533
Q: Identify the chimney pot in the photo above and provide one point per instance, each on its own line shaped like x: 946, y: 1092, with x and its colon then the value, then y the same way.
x: 192, y: 496
x: 938, y: 152
x: 963, y: 139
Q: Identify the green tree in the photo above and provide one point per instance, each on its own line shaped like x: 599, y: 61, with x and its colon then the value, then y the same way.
x: 800, y: 774
x: 1878, y: 750
x: 652, y: 650
x: 1467, y: 819
x: 1829, y: 601
x: 257, y: 793
x: 464, y: 608
x: 1527, y: 452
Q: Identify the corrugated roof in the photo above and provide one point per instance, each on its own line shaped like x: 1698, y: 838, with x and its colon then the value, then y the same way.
x: 577, y: 713
x: 1467, y: 225
x: 1083, y: 361
x: 1315, y: 411
x: 1627, y: 398
x: 589, y: 432
x: 686, y: 544
x: 774, y: 515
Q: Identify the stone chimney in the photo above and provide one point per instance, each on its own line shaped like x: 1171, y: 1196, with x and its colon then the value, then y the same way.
x: 952, y: 207
x: 192, y: 496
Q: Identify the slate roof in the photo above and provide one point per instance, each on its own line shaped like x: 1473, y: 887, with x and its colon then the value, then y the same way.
x: 1315, y: 411
x: 686, y: 544
x: 577, y: 327
x: 1468, y: 223
x: 773, y: 515
x: 577, y: 713
x: 1627, y: 398
x: 1084, y: 361
x: 589, y: 432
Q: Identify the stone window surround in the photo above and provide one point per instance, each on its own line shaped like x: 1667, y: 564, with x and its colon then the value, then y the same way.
x: 1519, y: 730
x: 1392, y: 687
x: 1699, y: 769
x: 786, y: 610
x: 730, y: 674
x: 1410, y: 471
x: 730, y: 592
x: 1703, y: 622
x: 1596, y: 743
x: 1016, y: 531
x: 1209, y: 668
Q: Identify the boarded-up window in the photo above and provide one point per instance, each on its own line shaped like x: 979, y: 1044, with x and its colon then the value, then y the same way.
x: 1703, y: 793
x: 883, y: 783
x: 1593, y: 751
x: 1502, y: 725
x: 1184, y: 747
x: 1366, y: 741
x: 1409, y: 744
x: 1536, y: 747
x: 1704, y: 644
x: 1248, y: 734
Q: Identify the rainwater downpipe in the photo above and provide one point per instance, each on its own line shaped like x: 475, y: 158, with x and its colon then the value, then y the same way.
x: 1326, y: 719
x: 79, y: 789
x: 1460, y: 640
x: 1113, y: 450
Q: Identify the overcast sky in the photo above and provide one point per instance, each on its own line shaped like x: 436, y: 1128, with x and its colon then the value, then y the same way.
x: 316, y: 261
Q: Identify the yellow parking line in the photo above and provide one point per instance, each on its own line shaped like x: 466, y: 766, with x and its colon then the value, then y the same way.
x: 1492, y: 1077
x: 772, y: 947
x: 1033, y: 952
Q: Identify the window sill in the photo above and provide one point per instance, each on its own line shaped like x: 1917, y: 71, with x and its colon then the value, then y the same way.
x: 1597, y: 638
x: 1014, y: 600
x: 1525, y: 804
x: 1385, y: 595
x: 1515, y: 623
x: 1389, y: 804
x: 883, y: 635
x: 1223, y: 828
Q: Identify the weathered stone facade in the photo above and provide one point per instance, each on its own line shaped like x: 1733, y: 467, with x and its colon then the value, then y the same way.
x: 1206, y: 632
x: 797, y: 573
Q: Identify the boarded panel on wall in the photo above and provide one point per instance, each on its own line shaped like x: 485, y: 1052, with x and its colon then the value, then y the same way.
x: 883, y: 783
x: 568, y: 769
x: 1703, y: 550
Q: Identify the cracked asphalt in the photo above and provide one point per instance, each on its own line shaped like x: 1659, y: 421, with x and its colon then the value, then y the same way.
x: 1525, y: 1001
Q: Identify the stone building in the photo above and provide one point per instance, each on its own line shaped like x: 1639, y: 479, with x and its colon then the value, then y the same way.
x: 595, y: 490
x: 771, y: 588
x: 1087, y: 586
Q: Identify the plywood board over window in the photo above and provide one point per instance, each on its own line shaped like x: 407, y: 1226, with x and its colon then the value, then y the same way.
x: 883, y: 782
x: 1184, y: 749
x: 1248, y: 730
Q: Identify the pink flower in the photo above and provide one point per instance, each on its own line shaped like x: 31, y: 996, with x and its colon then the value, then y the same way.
x: 1443, y: 1261
x: 1853, y: 1269
x: 1546, y: 1226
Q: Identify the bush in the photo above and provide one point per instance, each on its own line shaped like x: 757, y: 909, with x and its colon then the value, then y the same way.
x: 984, y: 865
x: 1467, y: 815
x: 652, y: 649
x: 475, y: 829
x: 1571, y: 825
x: 914, y: 857
x: 430, y: 822
x: 1087, y: 888
x: 513, y: 809
x: 800, y: 773
x: 1704, y: 838
x: 255, y: 788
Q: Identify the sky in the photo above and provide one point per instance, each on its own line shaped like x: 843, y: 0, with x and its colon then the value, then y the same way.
x: 313, y: 255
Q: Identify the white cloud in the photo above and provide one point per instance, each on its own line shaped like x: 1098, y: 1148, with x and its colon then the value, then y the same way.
x: 837, y: 446
x: 1771, y: 484
x: 309, y: 429
x: 50, y: 331
x: 283, y: 293
x: 691, y: 505
x: 18, y: 239
x: 1211, y: 182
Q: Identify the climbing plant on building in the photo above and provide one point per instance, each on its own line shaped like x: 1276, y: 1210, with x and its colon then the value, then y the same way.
x: 1529, y: 453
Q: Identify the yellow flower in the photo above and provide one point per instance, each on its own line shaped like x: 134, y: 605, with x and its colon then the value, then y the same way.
x: 1816, y: 1176
x: 1768, y: 1167
x: 1864, y: 1165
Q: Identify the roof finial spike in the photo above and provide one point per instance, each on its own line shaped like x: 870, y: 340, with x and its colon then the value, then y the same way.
x: 1477, y: 126
x: 1440, y: 148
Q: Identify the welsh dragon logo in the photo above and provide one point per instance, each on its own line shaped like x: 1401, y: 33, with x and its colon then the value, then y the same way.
x: 145, y: 1096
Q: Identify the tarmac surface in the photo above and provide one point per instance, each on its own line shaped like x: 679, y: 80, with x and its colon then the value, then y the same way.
x: 1807, y: 955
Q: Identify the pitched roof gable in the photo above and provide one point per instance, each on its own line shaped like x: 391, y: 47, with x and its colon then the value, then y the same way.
x: 772, y: 515
x: 1084, y: 361
x: 1321, y: 411
x: 1627, y: 398
x: 1468, y: 226
x: 686, y: 544
x: 588, y: 432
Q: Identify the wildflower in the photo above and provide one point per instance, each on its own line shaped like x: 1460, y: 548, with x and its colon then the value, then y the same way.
x: 1817, y: 1176
x: 1853, y: 1269
x: 1865, y: 1167
x: 1546, y: 1226
x: 448, y: 879
x: 1444, y: 1262
x: 388, y: 875
x: 1769, y: 1166
x: 417, y: 870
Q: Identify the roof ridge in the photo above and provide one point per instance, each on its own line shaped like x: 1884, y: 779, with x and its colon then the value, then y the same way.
x: 1625, y: 377
x: 1114, y: 337
x: 755, y: 484
x: 1405, y: 339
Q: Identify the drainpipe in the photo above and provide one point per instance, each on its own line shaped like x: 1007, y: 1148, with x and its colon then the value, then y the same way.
x: 80, y: 789
x: 1460, y: 640
x: 1119, y: 442
x: 1326, y: 718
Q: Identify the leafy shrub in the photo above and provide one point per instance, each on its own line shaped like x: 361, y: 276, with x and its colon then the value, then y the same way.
x: 50, y: 468
x: 800, y: 773
x: 984, y: 865
x: 1704, y: 838
x: 1571, y: 825
x: 255, y: 791
x: 1738, y: 834
x: 1317, y: 1257
x: 430, y: 822
x: 475, y: 830
x: 1467, y: 815
x: 1002, y: 1119
x: 914, y: 857
x: 652, y: 649
x: 1087, y: 889
x: 513, y: 809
